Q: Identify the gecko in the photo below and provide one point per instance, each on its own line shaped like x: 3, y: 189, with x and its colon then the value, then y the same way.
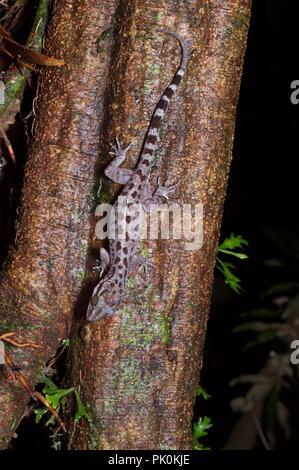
x: 108, y: 293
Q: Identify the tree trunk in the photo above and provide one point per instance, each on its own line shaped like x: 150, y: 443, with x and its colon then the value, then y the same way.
x: 42, y: 279
x: 136, y: 372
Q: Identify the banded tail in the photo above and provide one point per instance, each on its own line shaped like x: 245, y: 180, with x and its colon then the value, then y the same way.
x: 152, y: 135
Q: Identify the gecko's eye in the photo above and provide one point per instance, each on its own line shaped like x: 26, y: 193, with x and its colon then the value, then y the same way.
x: 94, y: 300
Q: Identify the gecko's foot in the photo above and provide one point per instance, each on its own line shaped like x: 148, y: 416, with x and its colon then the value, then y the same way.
x: 98, y: 268
x: 102, y: 264
x: 118, y: 151
x: 160, y: 193
x: 163, y: 191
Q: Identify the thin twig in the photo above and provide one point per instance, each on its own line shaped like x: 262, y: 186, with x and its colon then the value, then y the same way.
x: 43, y: 400
x: 36, y: 396
x: 5, y: 337
x: 19, y: 376
x: 9, y: 147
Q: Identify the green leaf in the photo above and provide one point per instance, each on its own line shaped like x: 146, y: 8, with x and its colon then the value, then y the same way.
x: 51, y: 387
x: 39, y: 413
x: 200, y: 392
x: 81, y: 411
x: 199, y: 430
x: 53, y: 394
x: 233, y: 242
x: 229, y: 277
x: 232, y: 253
x: 65, y: 342
x: 225, y: 267
x: 55, y: 398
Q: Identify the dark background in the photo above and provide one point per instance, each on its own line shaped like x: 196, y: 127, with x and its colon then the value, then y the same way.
x: 262, y: 202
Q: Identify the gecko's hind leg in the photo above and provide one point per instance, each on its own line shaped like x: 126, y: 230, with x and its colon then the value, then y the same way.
x: 163, y: 191
x: 116, y: 174
x: 151, y: 197
x: 104, y: 262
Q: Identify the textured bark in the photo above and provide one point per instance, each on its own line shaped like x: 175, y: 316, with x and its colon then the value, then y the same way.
x: 41, y: 282
x: 137, y: 372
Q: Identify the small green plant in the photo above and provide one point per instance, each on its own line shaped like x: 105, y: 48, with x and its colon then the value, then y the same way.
x: 57, y: 398
x: 225, y: 267
x: 200, y: 392
x: 65, y: 343
x: 200, y: 430
x: 203, y: 424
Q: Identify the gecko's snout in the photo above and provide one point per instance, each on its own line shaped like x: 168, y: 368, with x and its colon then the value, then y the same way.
x: 99, y: 311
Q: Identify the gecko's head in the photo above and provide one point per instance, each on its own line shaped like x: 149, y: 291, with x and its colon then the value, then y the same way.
x: 103, y: 302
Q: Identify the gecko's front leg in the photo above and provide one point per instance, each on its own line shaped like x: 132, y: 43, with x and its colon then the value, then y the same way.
x: 116, y: 174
